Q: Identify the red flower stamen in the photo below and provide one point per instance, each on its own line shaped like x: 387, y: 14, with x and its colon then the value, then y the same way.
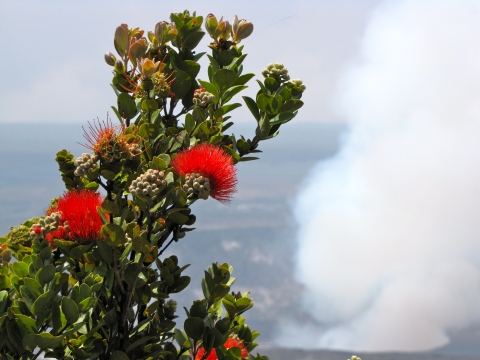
x: 213, y: 163
x: 104, y: 139
x: 230, y: 343
x: 79, y: 212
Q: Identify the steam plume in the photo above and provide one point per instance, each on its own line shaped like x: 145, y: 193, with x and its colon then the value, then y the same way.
x: 389, y: 239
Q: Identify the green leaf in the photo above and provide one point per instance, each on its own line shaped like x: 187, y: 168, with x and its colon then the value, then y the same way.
x: 141, y: 245
x: 220, y: 112
x: 56, y: 317
x: 92, y: 186
x: 28, y: 295
x: 292, y: 105
x: 32, y: 284
x: 179, y: 284
x: 198, y: 115
x: 189, y: 123
x: 20, y: 269
x: 230, y: 307
x: 224, y: 78
x: 235, y: 352
x: 35, y: 265
x: 178, y: 218
x: 149, y: 105
x: 114, y: 234
x: 213, y: 337
x: 180, y: 197
x: 181, y: 339
x: 70, y: 310
x: 252, y: 106
x: 149, y: 131
x: 282, y: 118
x: 230, y: 93
x: 243, y: 79
x: 157, y: 163
x: 264, y: 102
x: 46, y: 274
x: 5, y: 282
x: 47, y: 340
x: 110, y: 207
x: 244, y: 304
x: 194, y: 327
x: 107, y: 174
x: 166, y: 158
x: 45, y: 253
x: 225, y: 58
x: 79, y: 251
x: 192, y: 40
x: 271, y: 84
x: 26, y: 323
x: 41, y: 305
x: 126, y: 106
x: 223, y: 325
x: 105, y: 251
x: 191, y: 68
x: 87, y: 304
x: 3, y: 301
x: 218, y: 292
x: 181, y: 84
x: 139, y: 342
x: 248, y: 158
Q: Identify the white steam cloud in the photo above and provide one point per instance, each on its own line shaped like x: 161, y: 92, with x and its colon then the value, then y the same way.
x: 389, y: 240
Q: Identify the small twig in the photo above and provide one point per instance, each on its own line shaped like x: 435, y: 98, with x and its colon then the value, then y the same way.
x: 166, y: 246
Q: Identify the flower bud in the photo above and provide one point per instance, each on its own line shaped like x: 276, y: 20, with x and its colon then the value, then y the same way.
x: 148, y: 67
x: 241, y: 29
x: 137, y: 50
x: 223, y: 30
x: 119, y: 67
x: 165, y: 32
x: 121, y: 40
x: 110, y: 59
x: 211, y: 24
x: 160, y: 31
x: 298, y: 84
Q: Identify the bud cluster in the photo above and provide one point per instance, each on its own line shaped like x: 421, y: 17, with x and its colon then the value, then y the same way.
x: 171, y: 305
x: 86, y: 164
x: 118, y: 149
x: 197, y: 184
x: 149, y: 184
x: 164, y: 32
x: 298, y: 84
x: 202, y: 97
x: 45, y: 225
x: 277, y: 71
x: 221, y: 30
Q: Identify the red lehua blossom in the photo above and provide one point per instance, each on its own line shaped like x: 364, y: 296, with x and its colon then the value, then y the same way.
x: 230, y: 343
x: 79, y: 211
x: 213, y: 163
x: 104, y: 139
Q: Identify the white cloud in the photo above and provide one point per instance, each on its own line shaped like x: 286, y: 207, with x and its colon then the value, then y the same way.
x: 389, y: 246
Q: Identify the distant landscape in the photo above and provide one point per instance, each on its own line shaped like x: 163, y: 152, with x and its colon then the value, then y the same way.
x: 255, y: 234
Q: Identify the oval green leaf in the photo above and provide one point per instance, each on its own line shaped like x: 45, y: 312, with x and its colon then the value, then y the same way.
x: 70, y: 310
